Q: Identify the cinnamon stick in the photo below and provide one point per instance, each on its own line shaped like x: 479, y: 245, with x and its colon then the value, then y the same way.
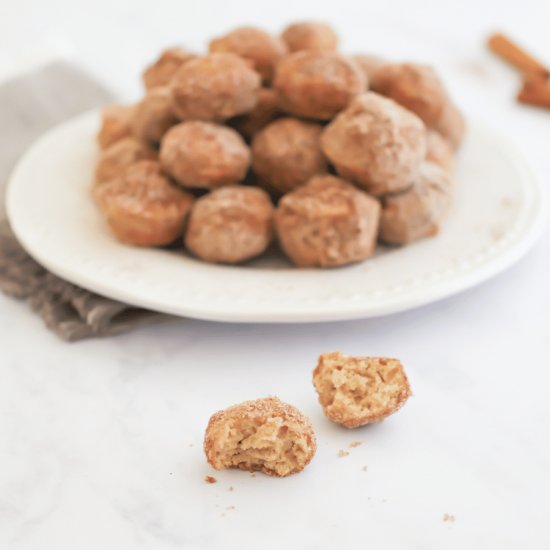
x: 535, y: 91
x: 510, y: 52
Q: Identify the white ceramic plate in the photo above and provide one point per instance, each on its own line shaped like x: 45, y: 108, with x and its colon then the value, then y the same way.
x: 496, y: 217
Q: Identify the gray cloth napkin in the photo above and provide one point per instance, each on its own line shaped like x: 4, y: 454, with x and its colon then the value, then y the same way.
x: 30, y: 105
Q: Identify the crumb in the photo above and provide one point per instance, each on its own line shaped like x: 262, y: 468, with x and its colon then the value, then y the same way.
x: 354, y: 444
x: 170, y: 473
x: 230, y: 508
x: 448, y: 517
x: 210, y: 479
x: 190, y: 444
x: 222, y: 515
x: 231, y: 488
x: 342, y: 453
x: 252, y: 474
x: 365, y: 468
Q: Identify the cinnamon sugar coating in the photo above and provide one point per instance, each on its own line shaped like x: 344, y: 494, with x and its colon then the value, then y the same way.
x: 214, y: 87
x: 355, y: 391
x: 161, y: 72
x: 439, y: 151
x: 286, y: 153
x: 310, y: 35
x: 153, y: 116
x: 419, y: 89
x: 256, y: 45
x: 369, y: 64
x: 124, y: 152
x: 416, y: 87
x: 115, y: 124
x: 265, y: 435
x: 420, y: 211
x: 230, y: 225
x: 327, y: 222
x: 376, y: 143
x: 204, y: 155
x: 265, y: 111
x: 317, y: 85
x: 451, y: 125
x: 142, y: 207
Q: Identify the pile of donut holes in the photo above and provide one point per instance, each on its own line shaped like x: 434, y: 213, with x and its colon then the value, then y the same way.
x: 279, y: 139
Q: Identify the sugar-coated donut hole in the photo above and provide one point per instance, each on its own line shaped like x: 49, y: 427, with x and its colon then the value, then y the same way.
x: 286, y: 153
x: 201, y: 154
x: 317, y: 85
x: 262, y: 49
x: 230, y: 225
x: 214, y: 87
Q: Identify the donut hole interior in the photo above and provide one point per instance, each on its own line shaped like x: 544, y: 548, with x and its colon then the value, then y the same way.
x: 361, y: 388
x: 271, y: 445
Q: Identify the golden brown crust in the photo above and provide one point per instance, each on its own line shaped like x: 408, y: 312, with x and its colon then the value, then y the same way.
x: 355, y: 391
x: 265, y: 111
x: 214, y: 87
x: 310, y: 35
x: 376, y: 143
x: 264, y: 435
x: 142, y: 207
x: 316, y: 84
x: 286, y: 153
x: 327, y: 222
x: 415, y: 87
x: 420, y: 211
x: 230, y: 225
x: 260, y: 47
x: 115, y: 124
x: 439, y: 151
x: 121, y: 154
x: 161, y: 72
x: 419, y: 89
x: 204, y: 155
x: 369, y: 64
x: 153, y: 116
x: 451, y: 125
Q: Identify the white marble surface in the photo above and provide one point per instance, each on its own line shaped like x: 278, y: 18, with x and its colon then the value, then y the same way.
x: 100, y: 442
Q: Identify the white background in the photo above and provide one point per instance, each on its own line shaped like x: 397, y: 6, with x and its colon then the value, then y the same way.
x: 100, y: 441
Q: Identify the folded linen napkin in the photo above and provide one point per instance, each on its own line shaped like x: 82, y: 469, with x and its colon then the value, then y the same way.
x: 30, y: 104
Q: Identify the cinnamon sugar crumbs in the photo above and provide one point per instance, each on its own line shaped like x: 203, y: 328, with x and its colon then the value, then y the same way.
x: 231, y: 488
x: 210, y: 479
x: 448, y: 517
x: 342, y: 453
x: 355, y: 444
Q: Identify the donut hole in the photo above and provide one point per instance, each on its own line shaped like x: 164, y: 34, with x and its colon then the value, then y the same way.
x: 357, y: 391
